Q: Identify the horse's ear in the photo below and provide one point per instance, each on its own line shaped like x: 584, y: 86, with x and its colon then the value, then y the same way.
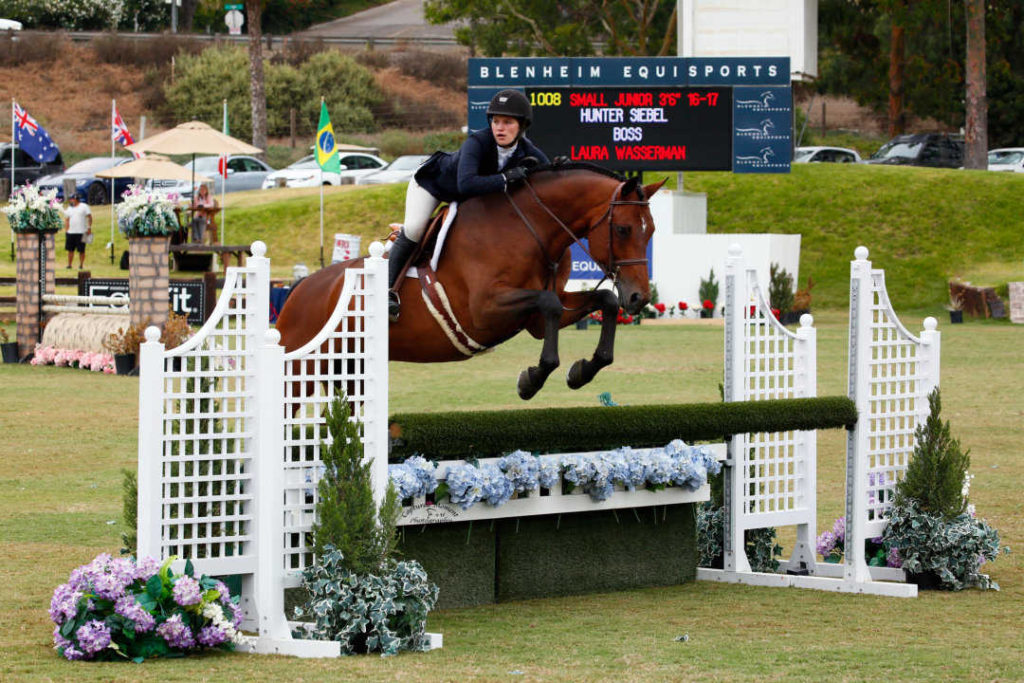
x: 649, y: 190
x: 630, y: 187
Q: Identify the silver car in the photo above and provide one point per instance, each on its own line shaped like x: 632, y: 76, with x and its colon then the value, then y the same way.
x: 401, y: 170
x: 244, y: 173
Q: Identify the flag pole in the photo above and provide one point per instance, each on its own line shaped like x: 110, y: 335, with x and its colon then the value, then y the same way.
x: 224, y: 184
x: 321, y: 218
x: 14, y: 141
x: 113, y: 198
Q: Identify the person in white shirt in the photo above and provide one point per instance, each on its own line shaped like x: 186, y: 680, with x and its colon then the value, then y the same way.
x: 78, y: 223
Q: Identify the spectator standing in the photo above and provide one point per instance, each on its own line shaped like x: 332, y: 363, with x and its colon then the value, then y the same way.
x: 78, y: 224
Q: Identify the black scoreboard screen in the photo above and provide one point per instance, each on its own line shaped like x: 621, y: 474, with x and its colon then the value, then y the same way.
x: 658, y: 128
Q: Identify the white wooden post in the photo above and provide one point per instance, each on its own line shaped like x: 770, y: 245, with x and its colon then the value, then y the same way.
x: 734, y: 553
x: 931, y: 338
x: 149, y: 508
x: 855, y: 566
x: 375, y: 434
x: 806, y: 361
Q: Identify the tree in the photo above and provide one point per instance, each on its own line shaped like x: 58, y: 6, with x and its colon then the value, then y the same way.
x: 976, y: 130
x: 258, y: 96
x: 855, y: 50
x: 570, y: 28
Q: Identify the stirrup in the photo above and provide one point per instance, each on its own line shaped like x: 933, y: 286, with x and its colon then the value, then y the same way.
x: 394, y: 305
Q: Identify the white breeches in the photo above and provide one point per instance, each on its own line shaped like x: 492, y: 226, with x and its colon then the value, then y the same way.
x: 419, y: 205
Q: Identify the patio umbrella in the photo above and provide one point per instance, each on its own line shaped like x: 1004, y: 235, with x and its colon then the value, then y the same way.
x: 194, y: 137
x: 153, y: 166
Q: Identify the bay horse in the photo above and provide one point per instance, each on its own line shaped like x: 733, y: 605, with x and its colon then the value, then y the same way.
x: 504, y: 268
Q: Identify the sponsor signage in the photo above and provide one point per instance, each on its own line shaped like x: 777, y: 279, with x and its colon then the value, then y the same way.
x: 186, y: 297
x: 584, y: 268
x: 655, y: 114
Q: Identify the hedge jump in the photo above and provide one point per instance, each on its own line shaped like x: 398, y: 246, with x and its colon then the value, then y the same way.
x: 476, y: 434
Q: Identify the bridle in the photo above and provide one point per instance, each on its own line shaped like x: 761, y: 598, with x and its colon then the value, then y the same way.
x: 610, y: 270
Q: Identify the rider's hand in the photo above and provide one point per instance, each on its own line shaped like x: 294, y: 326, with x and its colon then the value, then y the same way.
x: 529, y: 162
x: 560, y: 160
x: 514, y: 175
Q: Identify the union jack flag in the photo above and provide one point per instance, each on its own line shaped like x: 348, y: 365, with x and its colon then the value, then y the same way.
x: 119, y: 131
x: 31, y: 137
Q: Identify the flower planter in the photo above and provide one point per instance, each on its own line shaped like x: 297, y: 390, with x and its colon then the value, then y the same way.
x: 926, y: 581
x: 956, y: 317
x: 124, y: 363
x: 10, y: 352
x: 706, y: 313
x: 792, y: 317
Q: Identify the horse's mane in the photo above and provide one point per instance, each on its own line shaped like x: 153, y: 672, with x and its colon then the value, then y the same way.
x: 576, y: 166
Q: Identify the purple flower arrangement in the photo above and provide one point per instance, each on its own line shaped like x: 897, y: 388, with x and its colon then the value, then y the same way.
x: 117, y: 608
x: 831, y: 545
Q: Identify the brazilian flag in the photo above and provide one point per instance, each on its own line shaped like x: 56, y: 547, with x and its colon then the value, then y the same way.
x: 326, y: 152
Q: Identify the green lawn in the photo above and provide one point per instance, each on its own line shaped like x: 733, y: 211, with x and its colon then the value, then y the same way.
x: 67, y: 433
x: 923, y: 226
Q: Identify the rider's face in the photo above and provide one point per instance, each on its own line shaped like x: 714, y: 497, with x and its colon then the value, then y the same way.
x: 505, y: 129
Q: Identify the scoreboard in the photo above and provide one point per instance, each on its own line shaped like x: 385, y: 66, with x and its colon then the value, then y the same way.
x: 656, y: 114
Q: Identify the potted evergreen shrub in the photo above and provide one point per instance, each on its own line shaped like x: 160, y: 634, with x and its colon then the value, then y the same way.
x: 708, y: 293
x: 780, y: 294
x: 359, y: 595
x: 940, y: 541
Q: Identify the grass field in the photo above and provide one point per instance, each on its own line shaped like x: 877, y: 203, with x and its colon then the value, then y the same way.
x: 924, y: 226
x: 67, y: 434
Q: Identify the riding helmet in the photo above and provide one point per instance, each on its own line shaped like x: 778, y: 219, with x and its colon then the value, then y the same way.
x: 511, y: 103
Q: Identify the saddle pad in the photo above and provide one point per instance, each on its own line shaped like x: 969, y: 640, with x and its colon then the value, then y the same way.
x: 442, y: 235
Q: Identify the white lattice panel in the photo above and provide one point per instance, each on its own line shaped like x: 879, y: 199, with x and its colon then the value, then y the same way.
x: 897, y: 397
x: 336, y: 361
x: 205, y: 465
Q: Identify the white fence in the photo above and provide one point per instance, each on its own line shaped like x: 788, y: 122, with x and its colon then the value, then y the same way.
x: 770, y: 479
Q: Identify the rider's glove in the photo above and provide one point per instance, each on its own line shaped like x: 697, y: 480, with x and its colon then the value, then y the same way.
x: 560, y: 161
x: 514, y: 175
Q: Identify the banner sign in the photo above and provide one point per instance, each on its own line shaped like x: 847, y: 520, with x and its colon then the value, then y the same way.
x: 584, y: 268
x: 187, y: 297
x: 650, y: 113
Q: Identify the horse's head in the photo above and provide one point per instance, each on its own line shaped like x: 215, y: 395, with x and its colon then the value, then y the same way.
x: 618, y: 242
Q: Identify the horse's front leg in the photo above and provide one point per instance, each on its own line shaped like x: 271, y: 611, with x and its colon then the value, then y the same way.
x: 583, y: 370
x: 532, y: 378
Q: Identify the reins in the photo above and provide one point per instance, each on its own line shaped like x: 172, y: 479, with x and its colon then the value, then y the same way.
x: 609, y: 271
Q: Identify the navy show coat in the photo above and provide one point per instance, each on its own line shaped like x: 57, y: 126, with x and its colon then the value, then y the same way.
x: 473, y: 170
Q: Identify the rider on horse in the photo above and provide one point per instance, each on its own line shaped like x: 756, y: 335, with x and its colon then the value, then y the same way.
x: 486, y: 162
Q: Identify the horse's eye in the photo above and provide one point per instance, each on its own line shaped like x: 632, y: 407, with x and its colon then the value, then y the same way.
x: 622, y: 230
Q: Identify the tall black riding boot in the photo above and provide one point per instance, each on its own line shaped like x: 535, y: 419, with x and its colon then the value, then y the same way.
x: 400, y: 252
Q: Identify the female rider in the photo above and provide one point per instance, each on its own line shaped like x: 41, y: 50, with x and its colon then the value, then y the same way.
x: 486, y: 162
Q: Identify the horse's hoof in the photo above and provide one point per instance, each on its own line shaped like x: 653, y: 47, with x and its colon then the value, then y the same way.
x: 575, y: 377
x: 525, y: 386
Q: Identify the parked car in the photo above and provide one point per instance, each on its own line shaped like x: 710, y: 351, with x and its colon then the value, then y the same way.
x: 26, y: 169
x: 924, y: 149
x: 244, y: 173
x: 1006, y: 159
x: 400, y: 170
x: 10, y: 25
x: 88, y: 187
x: 814, y: 155
x: 306, y: 172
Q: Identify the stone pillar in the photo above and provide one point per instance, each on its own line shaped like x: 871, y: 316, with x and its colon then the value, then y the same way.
x: 30, y: 261
x: 148, y: 275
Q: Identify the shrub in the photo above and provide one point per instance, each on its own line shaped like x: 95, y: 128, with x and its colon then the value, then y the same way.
x: 112, y: 48
x: 346, y: 512
x: 953, y: 549
x: 385, y: 611
x: 81, y: 15
x: 130, y: 512
x: 348, y: 89
x: 708, y: 290
x: 126, y: 340
x: 759, y: 544
x: 203, y: 81
x: 780, y: 288
x: 936, y: 474
x: 31, y: 47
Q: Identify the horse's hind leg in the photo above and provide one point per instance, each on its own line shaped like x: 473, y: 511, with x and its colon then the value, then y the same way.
x: 533, y: 378
x: 583, y: 370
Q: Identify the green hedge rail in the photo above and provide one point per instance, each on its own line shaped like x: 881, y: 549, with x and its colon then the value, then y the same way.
x: 479, y: 434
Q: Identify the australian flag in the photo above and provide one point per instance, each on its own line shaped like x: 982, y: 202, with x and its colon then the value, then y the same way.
x: 33, y: 138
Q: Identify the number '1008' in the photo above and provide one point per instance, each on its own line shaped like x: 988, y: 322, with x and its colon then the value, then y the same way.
x: 541, y: 99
